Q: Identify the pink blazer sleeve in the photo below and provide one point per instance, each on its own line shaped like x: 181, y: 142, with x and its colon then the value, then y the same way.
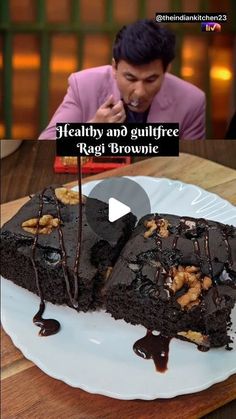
x: 194, y: 127
x: 70, y: 110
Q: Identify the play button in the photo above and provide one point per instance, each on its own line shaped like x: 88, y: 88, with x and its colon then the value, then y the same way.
x: 116, y: 209
x: 122, y: 196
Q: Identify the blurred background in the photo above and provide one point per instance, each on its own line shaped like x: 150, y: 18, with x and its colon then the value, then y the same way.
x: 43, y: 41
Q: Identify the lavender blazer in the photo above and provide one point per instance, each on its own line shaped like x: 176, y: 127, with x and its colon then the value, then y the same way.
x: 176, y: 101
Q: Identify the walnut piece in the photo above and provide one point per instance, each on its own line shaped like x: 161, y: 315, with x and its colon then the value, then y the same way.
x: 46, y: 224
x: 161, y: 225
x: 190, y: 276
x: 151, y: 226
x: 195, y: 337
x: 67, y: 196
x: 206, y: 283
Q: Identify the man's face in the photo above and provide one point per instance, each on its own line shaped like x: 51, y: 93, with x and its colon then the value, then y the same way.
x: 138, y: 84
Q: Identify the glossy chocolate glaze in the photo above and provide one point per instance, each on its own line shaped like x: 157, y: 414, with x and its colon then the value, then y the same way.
x: 203, y: 348
x: 34, y: 247
x: 193, y: 233
x: 78, y: 250
x: 226, y: 240
x: 193, y: 229
x: 63, y: 252
x: 157, y: 347
x: 47, y: 326
x: 154, y: 347
x: 207, y: 252
x: 52, y: 326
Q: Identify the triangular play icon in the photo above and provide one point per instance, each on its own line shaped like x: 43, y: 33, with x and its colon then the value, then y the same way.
x: 117, y: 209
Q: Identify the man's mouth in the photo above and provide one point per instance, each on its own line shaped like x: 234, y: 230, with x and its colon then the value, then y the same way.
x: 134, y: 103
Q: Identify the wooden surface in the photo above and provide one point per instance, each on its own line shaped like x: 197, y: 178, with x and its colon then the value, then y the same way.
x: 27, y: 392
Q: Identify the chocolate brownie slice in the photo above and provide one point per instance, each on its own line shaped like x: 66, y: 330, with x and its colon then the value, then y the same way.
x: 177, y: 275
x: 55, y: 264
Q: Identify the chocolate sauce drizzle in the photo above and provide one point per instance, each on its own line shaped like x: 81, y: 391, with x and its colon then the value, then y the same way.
x: 63, y: 251
x: 203, y: 348
x: 47, y: 326
x: 207, y: 251
x: 229, y: 253
x: 154, y: 347
x: 52, y: 326
x: 78, y: 249
x: 157, y: 274
x: 175, y: 241
x: 196, y: 247
x: 157, y: 346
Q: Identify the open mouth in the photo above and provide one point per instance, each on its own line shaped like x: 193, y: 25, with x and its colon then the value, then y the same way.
x: 134, y: 103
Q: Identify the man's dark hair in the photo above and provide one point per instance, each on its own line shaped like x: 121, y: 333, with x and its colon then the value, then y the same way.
x: 144, y: 41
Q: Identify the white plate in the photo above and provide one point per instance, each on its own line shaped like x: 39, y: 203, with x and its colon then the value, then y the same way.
x: 94, y: 352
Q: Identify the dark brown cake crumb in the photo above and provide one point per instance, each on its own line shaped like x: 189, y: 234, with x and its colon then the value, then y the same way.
x: 182, y: 284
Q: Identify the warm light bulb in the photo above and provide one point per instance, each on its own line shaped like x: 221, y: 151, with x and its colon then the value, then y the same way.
x: 187, y: 71
x: 220, y: 73
x: 26, y: 61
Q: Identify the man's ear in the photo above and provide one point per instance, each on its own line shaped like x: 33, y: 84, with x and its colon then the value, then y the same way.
x: 114, y: 67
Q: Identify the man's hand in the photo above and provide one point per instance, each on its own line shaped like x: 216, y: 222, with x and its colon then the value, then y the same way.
x: 110, y: 112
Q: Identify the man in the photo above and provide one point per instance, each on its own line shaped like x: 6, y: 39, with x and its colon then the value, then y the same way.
x: 136, y: 88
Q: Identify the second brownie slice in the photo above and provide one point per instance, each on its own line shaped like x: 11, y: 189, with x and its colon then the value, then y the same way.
x: 177, y: 275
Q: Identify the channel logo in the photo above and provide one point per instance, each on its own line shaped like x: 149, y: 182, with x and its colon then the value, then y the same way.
x: 210, y: 27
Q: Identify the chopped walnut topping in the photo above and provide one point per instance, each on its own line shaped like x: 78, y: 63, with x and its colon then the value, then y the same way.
x: 161, y: 225
x: 178, y: 281
x: 46, y: 224
x: 195, y: 337
x: 163, y: 228
x: 190, y: 276
x: 191, y: 269
x: 67, y: 196
x: 193, y: 303
x: 206, y: 283
x: 151, y: 225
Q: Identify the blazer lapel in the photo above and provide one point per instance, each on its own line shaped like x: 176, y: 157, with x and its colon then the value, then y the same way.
x: 161, y: 102
x: 110, y: 88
